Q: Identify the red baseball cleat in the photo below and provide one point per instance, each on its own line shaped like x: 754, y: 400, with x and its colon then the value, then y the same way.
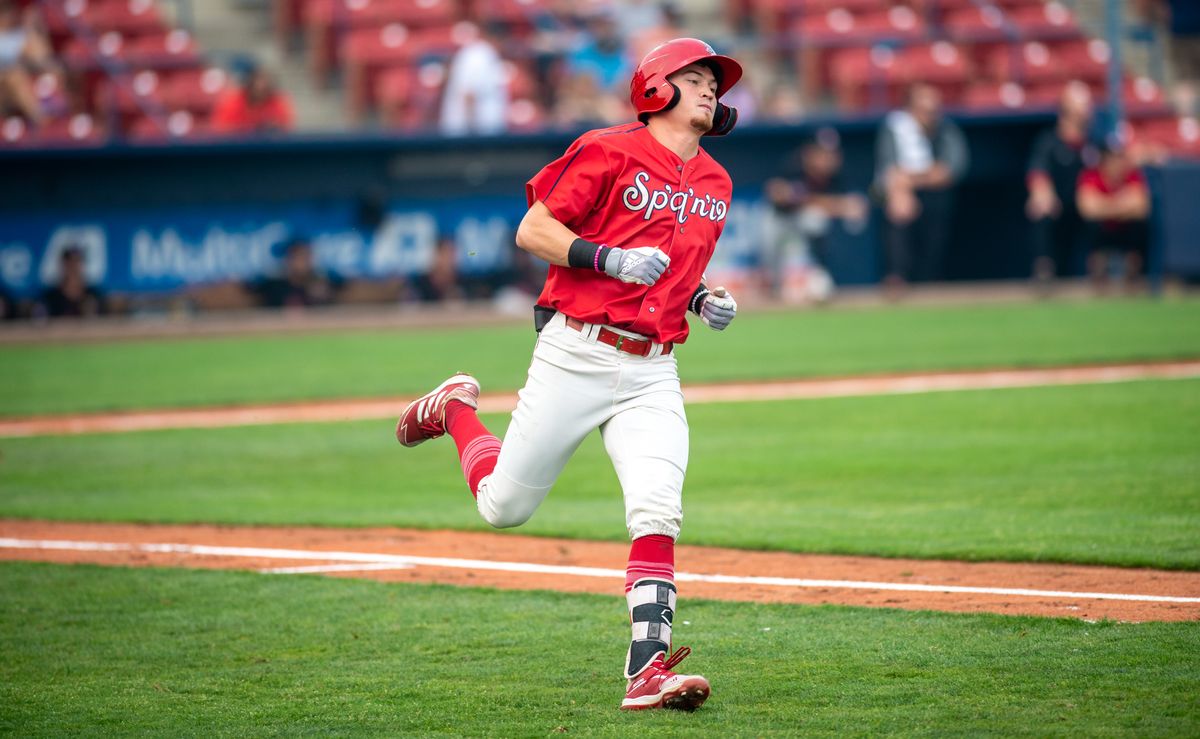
x: 658, y: 687
x: 425, y: 417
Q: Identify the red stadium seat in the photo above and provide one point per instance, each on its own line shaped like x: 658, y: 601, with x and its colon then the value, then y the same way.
x: 840, y: 27
x: 368, y: 51
x: 773, y: 16
x: 419, y: 112
x: 80, y: 53
x: 132, y: 94
x: 1049, y: 21
x: 941, y: 63
x: 1029, y: 63
x: 1143, y: 98
x: 194, y: 90
x: 994, y: 97
x: 327, y: 20
x: 976, y: 23
x: 865, y: 77
x: 172, y: 49
x: 1082, y: 59
x: 521, y: 82
x: 127, y: 17
x: 525, y: 116
x: 179, y: 124
x: 877, y: 77
x: 80, y: 129
x: 393, y: 89
x: 1170, y: 136
x: 368, y: 13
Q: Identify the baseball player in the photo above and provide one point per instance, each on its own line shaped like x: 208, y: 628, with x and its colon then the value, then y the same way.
x: 628, y: 218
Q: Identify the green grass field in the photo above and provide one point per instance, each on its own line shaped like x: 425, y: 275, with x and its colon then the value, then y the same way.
x: 1079, y: 474
x: 1097, y: 474
x: 172, y: 653
x: 146, y: 374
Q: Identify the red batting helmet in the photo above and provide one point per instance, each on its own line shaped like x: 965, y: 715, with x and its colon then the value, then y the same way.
x: 649, y: 90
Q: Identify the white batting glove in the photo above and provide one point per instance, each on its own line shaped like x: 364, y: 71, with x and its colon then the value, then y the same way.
x: 642, y: 265
x: 718, y: 309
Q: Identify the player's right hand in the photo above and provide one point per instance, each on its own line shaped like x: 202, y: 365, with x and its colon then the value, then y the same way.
x: 642, y: 265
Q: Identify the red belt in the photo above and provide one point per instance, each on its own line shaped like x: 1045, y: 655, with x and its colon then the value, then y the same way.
x: 622, y: 343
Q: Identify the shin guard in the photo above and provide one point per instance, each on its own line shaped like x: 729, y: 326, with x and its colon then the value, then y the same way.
x: 651, y: 612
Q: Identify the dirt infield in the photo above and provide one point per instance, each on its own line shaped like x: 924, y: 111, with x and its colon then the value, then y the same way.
x: 523, y: 563
x: 375, y: 408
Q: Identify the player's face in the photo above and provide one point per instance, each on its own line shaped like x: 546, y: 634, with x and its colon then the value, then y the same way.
x: 697, y: 96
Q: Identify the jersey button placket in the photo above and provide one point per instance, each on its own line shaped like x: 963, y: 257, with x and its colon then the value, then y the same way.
x: 683, y: 186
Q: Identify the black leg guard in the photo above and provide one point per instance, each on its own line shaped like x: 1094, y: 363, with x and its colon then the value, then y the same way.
x: 651, y: 611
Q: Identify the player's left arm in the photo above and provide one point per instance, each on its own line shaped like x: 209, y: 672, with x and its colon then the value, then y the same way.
x: 716, y: 307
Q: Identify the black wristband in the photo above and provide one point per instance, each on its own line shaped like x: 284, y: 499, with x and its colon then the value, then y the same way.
x: 586, y: 255
x: 698, y: 297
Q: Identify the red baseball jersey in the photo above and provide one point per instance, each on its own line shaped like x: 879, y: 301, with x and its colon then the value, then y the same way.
x: 1094, y: 179
x: 619, y: 186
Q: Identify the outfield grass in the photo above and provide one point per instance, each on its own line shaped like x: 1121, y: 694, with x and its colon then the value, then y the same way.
x: 187, y: 653
x: 1092, y: 474
x: 142, y: 374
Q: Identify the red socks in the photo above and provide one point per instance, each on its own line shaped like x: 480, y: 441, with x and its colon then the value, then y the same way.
x: 651, y: 556
x: 478, y: 449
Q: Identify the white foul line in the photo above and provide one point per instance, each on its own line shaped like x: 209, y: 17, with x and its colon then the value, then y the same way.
x: 390, y: 561
x: 321, y: 569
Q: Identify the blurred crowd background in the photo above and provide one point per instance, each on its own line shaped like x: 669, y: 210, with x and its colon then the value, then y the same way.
x: 876, y: 120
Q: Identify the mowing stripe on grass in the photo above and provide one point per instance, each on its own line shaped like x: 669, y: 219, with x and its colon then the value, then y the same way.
x: 369, y: 560
x: 372, y: 408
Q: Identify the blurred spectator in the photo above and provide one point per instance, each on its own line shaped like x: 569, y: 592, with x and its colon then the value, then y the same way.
x: 594, y: 88
x: 1054, y: 167
x: 257, y: 106
x: 745, y: 96
x: 582, y: 104
x: 920, y: 157
x: 637, y: 17
x: 71, y: 296
x: 300, y: 285
x: 22, y: 48
x: 557, y: 28
x: 1113, y: 197
x: 441, y: 282
x: 783, y: 103
x: 804, y: 204
x: 8, y: 306
x: 645, y: 24
x: 602, y: 52
x: 475, y: 100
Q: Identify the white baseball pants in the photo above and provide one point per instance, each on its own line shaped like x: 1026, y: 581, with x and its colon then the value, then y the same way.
x: 577, y: 384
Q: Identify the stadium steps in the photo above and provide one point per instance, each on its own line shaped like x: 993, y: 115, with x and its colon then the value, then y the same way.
x: 229, y: 28
x: 1137, y: 57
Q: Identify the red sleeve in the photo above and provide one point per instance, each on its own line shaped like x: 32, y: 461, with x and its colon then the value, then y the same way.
x: 572, y: 185
x: 1089, y: 178
x: 1135, y: 177
x: 282, y: 116
x: 227, y: 113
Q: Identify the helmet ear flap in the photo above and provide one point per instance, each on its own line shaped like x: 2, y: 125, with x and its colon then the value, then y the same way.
x: 651, y: 92
x: 675, y: 95
x: 724, y: 119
